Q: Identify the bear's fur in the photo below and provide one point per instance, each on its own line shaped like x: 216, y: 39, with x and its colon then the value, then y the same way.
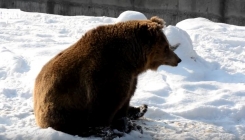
x: 87, y: 88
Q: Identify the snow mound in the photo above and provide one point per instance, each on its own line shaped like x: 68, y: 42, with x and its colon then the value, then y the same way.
x: 218, y: 42
x: 175, y: 36
x: 130, y: 15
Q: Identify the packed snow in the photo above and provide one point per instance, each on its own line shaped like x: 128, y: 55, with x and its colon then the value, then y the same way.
x: 202, y: 98
x: 130, y: 15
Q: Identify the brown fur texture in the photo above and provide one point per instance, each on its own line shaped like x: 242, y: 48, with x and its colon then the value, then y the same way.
x: 90, y: 84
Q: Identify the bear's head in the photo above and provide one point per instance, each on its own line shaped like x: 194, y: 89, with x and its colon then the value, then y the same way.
x: 157, y: 45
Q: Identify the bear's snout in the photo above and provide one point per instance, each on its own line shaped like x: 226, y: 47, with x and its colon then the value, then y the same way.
x: 179, y: 60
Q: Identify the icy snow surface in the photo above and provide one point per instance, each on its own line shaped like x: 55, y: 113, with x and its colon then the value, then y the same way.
x: 202, y: 98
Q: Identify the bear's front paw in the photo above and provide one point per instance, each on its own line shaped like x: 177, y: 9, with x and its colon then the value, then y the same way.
x: 137, y: 112
x: 126, y: 125
x: 112, y: 135
x: 106, y: 133
x: 134, y: 126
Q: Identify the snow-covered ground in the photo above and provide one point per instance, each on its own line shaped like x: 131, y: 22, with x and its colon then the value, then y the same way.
x: 202, y: 98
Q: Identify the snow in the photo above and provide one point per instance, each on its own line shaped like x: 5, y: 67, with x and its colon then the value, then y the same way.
x: 130, y: 15
x: 202, y: 98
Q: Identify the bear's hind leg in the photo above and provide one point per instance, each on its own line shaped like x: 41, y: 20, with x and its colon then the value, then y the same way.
x: 67, y: 121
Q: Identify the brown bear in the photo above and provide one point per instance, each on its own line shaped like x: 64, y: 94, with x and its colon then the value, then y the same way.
x: 86, y: 89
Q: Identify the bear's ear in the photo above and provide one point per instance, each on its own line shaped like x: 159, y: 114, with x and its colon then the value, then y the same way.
x: 159, y: 21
